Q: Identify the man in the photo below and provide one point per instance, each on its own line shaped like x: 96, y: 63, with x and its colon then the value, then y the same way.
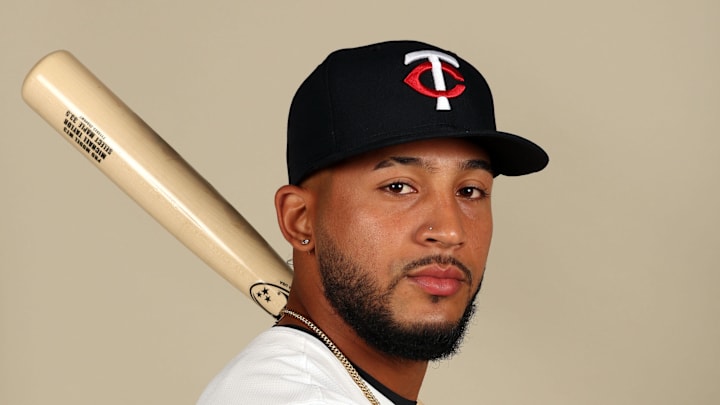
x: 392, y: 152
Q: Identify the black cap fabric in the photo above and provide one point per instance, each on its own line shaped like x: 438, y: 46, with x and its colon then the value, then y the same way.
x: 366, y: 98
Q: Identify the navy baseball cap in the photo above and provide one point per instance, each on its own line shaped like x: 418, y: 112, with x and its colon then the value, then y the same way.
x: 366, y: 98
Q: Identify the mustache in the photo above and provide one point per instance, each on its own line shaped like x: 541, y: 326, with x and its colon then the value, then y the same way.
x: 440, y: 260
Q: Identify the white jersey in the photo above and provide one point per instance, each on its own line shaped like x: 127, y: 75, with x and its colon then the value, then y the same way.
x: 285, y: 366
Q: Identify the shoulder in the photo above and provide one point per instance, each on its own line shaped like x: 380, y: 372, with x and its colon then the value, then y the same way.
x: 281, y: 366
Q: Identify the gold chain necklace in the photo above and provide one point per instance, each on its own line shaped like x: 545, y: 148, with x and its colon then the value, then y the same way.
x: 343, y: 360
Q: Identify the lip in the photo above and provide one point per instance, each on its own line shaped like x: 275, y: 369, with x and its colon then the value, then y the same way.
x: 438, y: 281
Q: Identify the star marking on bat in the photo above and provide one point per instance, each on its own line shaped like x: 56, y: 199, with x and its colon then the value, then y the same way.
x: 271, y: 297
x: 264, y: 294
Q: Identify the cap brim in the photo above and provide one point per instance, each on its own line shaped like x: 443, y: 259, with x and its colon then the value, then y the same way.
x: 511, y: 155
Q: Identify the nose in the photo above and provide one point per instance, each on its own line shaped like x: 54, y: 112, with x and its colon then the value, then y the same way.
x: 444, y: 225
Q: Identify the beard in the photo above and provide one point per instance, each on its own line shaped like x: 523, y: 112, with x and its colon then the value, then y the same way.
x: 360, y: 301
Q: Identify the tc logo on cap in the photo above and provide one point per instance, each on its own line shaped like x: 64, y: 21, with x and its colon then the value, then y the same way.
x: 435, y: 64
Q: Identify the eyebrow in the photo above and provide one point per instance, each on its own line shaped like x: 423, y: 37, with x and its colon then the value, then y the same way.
x: 476, y: 164
x: 471, y: 164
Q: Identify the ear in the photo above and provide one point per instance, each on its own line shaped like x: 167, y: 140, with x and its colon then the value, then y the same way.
x: 293, y: 206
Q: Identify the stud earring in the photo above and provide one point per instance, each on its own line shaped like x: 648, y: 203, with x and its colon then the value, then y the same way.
x: 305, y: 241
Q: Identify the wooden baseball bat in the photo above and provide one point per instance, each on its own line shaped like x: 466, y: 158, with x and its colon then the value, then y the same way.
x: 119, y: 143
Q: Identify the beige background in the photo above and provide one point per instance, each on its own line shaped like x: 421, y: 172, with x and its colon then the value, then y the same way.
x: 604, y: 276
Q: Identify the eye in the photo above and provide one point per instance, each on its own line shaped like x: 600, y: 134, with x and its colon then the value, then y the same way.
x: 473, y: 193
x: 399, y: 188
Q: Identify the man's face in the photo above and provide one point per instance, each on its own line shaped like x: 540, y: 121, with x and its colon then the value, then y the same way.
x: 402, y: 238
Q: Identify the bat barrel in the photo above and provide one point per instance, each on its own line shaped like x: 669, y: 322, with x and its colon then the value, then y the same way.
x: 129, y: 152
